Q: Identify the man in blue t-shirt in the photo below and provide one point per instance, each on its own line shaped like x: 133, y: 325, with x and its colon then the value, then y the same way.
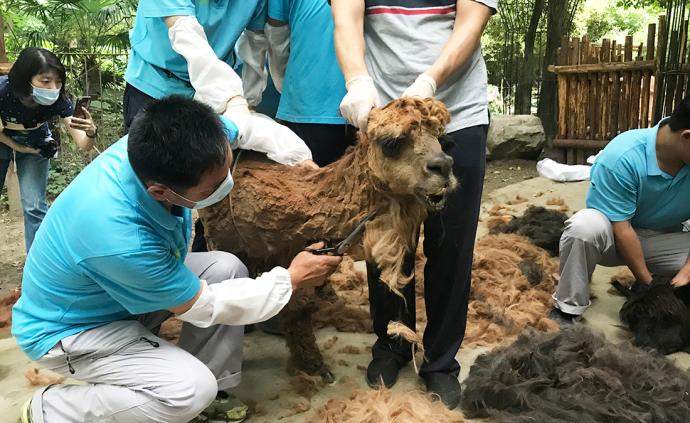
x: 637, y: 202
x: 306, y: 72
x: 109, y: 264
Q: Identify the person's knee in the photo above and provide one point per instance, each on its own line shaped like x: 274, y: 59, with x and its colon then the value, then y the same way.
x: 192, y: 394
x: 588, y: 225
x: 225, y: 266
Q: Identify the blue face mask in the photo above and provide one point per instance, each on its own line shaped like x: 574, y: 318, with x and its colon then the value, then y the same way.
x: 45, y: 96
x: 221, y: 192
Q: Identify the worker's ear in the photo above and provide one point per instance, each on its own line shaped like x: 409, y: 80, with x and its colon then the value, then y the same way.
x: 158, y: 191
x: 685, y: 135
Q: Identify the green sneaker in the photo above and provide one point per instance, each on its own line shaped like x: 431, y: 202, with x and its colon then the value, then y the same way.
x: 226, y: 408
x: 26, y: 413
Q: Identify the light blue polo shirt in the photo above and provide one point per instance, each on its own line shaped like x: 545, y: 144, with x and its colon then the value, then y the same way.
x: 155, y: 68
x: 313, y: 85
x: 627, y: 184
x: 106, y: 251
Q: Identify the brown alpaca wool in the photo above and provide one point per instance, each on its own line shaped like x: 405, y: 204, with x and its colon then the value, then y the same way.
x: 170, y: 330
x: 555, y: 201
x: 349, y: 349
x: 575, y: 375
x: 365, y: 406
x: 6, y: 304
x: 43, y: 377
x: 517, y: 200
x: 503, y: 301
x: 306, y: 385
x: 397, y: 329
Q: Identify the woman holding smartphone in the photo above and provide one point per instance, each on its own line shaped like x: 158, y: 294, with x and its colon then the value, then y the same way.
x: 31, y: 95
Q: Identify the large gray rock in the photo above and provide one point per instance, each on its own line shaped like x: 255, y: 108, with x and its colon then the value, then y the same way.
x: 515, y: 136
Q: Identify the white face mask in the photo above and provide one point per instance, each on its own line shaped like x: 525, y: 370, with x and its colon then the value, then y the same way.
x: 221, y: 192
x: 44, y: 96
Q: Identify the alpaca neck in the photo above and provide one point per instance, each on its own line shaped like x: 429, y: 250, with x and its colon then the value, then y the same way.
x: 347, y: 190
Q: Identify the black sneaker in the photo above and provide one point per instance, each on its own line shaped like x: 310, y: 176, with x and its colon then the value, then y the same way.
x: 563, y: 318
x: 382, y: 371
x: 445, y: 387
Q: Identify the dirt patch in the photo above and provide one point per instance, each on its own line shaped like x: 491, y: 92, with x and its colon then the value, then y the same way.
x: 501, y: 173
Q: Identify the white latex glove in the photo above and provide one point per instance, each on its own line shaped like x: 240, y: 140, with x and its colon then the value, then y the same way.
x: 252, y: 47
x: 214, y: 80
x: 278, y: 52
x: 260, y: 133
x: 361, y: 97
x: 424, y: 86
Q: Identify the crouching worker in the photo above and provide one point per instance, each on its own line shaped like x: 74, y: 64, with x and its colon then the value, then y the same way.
x: 110, y: 264
x: 638, y: 199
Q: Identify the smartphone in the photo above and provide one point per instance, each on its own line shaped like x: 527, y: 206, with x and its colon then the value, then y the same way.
x: 84, y: 101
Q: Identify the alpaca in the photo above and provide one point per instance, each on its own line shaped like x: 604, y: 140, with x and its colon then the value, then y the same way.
x: 542, y: 226
x: 657, y: 314
x: 575, y: 376
x: 397, y: 169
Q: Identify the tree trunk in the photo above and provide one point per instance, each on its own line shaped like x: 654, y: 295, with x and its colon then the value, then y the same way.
x: 3, y: 53
x: 557, y: 26
x: 523, y: 94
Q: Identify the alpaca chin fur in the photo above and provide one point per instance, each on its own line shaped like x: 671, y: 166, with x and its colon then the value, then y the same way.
x: 574, y: 375
x: 542, y: 226
x: 383, y: 405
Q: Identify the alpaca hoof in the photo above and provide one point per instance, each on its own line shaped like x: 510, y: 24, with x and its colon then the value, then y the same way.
x: 328, y: 377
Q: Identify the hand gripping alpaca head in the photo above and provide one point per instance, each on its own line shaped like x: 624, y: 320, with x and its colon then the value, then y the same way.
x: 406, y: 150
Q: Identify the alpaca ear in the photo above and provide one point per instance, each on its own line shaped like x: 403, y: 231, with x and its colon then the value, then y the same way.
x: 437, y: 114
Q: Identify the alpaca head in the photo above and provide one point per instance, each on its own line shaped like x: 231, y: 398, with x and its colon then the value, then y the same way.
x: 404, y: 141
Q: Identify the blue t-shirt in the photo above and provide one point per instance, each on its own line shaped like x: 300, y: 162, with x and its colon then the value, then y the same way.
x: 627, y: 184
x: 106, y: 251
x: 155, y: 68
x: 314, y: 84
x: 25, y: 125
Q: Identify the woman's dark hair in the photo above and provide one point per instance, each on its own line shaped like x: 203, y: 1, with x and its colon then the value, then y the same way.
x: 34, y: 61
x: 176, y: 140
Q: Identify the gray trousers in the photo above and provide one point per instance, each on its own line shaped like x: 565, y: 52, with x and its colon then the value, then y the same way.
x: 588, y: 240
x: 134, y: 376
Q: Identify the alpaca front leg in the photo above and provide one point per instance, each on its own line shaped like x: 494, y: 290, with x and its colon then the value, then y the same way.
x: 301, y: 341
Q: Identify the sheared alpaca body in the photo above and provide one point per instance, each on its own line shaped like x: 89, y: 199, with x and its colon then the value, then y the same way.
x: 397, y: 169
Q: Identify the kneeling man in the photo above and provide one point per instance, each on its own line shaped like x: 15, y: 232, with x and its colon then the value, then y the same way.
x: 638, y: 199
x: 110, y: 264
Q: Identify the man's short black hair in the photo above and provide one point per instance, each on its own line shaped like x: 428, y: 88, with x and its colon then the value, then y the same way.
x: 174, y: 141
x: 680, y: 119
x: 34, y: 61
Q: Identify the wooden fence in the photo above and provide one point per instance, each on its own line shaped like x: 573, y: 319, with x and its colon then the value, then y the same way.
x: 608, y: 88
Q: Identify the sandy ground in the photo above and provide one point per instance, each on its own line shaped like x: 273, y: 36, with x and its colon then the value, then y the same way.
x: 264, y: 376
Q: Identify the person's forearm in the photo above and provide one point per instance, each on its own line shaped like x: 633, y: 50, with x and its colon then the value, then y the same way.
x: 470, y: 20
x: 9, y: 142
x: 629, y: 248
x: 83, y: 141
x: 348, y: 16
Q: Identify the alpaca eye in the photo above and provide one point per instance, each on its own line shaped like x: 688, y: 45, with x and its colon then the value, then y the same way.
x: 390, y: 146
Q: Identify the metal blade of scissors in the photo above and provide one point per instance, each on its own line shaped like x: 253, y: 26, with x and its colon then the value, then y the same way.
x: 344, y: 245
